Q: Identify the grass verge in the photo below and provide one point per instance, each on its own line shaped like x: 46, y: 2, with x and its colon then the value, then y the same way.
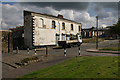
x: 92, y: 40
x: 111, y: 48
x: 80, y: 67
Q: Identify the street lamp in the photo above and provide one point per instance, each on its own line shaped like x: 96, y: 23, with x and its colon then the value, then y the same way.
x: 97, y: 32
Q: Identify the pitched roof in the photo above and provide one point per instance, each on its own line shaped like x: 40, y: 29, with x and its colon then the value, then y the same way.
x: 51, y: 16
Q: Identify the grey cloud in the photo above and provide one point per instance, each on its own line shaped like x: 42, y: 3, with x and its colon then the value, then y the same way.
x: 76, y: 11
x: 59, y: 5
x: 11, y: 16
x: 99, y: 9
x: 111, y: 5
x: 101, y: 12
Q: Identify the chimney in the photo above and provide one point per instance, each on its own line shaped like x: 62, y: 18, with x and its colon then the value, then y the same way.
x: 17, y: 27
x: 60, y: 16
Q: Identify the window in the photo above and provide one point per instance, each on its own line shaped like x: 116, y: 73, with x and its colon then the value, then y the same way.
x: 71, y: 26
x: 78, y: 28
x: 68, y: 37
x: 53, y: 24
x: 63, y: 26
x: 63, y: 37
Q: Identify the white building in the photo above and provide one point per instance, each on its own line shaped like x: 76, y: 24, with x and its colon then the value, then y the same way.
x: 42, y: 29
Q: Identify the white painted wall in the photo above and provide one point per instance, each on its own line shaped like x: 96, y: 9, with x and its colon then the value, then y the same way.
x: 47, y: 36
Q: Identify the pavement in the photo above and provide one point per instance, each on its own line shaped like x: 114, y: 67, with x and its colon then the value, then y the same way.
x: 13, y: 73
x: 102, y: 51
x: 55, y: 56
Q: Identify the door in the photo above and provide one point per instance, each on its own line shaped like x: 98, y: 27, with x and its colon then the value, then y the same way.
x: 57, y: 38
x: 63, y: 37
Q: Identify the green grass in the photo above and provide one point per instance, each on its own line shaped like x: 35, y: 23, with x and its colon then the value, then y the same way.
x: 80, y: 67
x: 111, y: 48
x: 91, y: 40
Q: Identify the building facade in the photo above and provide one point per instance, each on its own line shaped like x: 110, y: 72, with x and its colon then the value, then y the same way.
x: 87, y: 33
x: 43, y: 29
x: 92, y: 32
x: 18, y: 37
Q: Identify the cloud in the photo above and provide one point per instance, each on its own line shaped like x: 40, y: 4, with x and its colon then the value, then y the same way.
x: 111, y: 5
x: 103, y: 9
x: 13, y: 14
x: 68, y: 14
x: 59, y: 5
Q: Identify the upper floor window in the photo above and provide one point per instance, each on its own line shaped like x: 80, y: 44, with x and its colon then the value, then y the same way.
x: 78, y: 28
x: 53, y: 24
x: 63, y: 25
x: 71, y: 26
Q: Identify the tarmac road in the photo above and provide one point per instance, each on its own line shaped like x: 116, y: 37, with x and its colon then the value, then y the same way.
x: 74, y: 51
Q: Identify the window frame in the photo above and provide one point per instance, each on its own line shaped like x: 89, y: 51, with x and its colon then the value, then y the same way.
x: 53, y: 24
x: 63, y: 26
x: 79, y: 28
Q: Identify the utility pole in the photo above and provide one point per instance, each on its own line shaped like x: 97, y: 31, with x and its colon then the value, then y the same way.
x: 119, y: 11
x: 97, y: 32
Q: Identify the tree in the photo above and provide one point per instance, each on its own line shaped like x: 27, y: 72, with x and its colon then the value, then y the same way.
x: 115, y: 29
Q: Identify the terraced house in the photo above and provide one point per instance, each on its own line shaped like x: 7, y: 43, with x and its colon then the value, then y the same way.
x: 43, y: 29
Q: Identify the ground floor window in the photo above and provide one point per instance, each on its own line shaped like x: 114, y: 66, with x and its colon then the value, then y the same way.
x: 63, y: 37
x: 68, y: 37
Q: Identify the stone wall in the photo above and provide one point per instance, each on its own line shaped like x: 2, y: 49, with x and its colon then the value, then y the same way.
x: 6, y: 39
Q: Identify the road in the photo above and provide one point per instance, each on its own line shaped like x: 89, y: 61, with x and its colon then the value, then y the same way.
x: 55, y: 56
x: 74, y: 51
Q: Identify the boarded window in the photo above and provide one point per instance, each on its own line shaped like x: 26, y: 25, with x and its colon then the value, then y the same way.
x: 38, y: 22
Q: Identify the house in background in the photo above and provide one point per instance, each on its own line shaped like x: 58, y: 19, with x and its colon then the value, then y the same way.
x: 87, y: 32
x: 18, y: 37
x: 92, y: 32
x: 101, y: 32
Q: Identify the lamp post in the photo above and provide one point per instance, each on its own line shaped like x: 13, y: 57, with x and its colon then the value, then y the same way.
x: 97, y: 32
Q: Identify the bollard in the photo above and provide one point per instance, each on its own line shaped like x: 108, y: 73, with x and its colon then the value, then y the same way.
x: 46, y: 51
x: 65, y: 51
x: 17, y: 51
x: 79, y: 50
x: 28, y: 50
x: 35, y: 52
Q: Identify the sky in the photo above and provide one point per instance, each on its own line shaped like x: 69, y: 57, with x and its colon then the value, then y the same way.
x: 82, y: 12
